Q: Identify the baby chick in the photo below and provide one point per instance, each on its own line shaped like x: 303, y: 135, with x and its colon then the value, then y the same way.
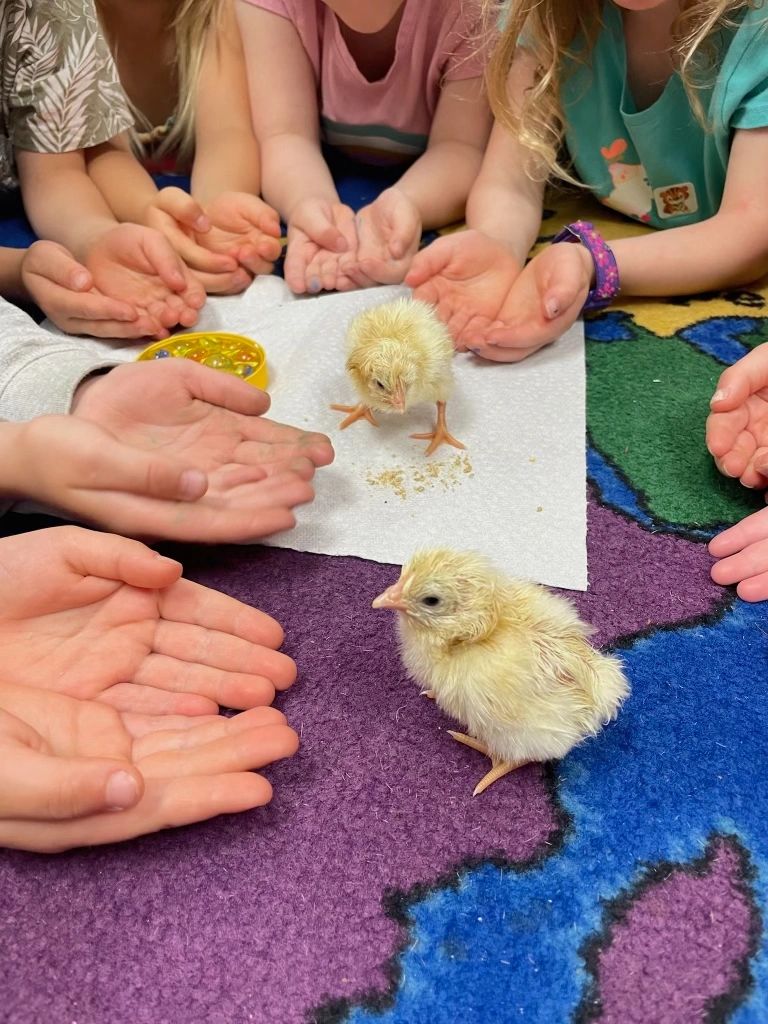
x: 399, y: 355
x: 507, y: 658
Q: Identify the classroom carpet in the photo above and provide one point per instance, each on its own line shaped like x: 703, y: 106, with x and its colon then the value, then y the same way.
x: 625, y: 884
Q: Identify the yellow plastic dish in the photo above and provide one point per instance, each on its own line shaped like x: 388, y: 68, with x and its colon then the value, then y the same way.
x: 232, y: 353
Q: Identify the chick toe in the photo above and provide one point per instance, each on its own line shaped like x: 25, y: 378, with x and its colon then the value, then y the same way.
x: 498, y: 771
x: 469, y: 741
x: 440, y: 435
x: 356, y: 412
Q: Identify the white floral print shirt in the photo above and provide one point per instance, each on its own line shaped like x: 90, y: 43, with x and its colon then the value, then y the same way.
x: 59, y: 89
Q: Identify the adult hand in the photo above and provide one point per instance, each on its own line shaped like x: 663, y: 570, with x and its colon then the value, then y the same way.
x: 76, y: 773
x: 389, y: 232
x: 64, y: 290
x: 544, y: 301
x: 138, y: 265
x: 467, y: 276
x: 737, y: 427
x: 257, y: 471
x: 101, y: 617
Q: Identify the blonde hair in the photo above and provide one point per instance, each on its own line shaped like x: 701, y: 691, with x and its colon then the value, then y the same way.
x: 191, y: 26
x: 561, y: 32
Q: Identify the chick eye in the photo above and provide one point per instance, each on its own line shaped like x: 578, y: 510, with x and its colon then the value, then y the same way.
x: 379, y: 384
x: 430, y: 601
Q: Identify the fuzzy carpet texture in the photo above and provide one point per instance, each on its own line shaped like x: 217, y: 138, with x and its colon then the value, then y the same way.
x: 626, y: 884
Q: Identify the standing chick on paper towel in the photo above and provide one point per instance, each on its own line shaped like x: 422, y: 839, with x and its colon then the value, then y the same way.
x: 506, y: 657
x: 400, y: 355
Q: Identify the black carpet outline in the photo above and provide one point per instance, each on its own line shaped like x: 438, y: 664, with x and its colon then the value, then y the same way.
x: 615, y: 913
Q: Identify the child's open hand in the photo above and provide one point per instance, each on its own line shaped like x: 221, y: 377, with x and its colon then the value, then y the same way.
x: 545, y: 300
x: 77, y: 773
x: 137, y: 265
x: 64, y: 291
x: 742, y: 553
x: 737, y: 427
x: 388, y: 233
x: 244, y: 226
x: 101, y: 617
x: 322, y: 248
x: 257, y: 471
x: 467, y: 276
x: 184, y: 223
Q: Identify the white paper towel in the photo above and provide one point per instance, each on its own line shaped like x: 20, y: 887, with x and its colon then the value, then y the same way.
x: 517, y: 493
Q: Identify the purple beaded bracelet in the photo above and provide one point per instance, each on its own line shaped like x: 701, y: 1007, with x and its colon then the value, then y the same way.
x: 606, y: 271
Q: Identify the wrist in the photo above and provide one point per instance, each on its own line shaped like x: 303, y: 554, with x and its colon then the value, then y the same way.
x: 90, y: 233
x: 12, y: 284
x: 604, y: 271
x: 87, y: 384
x: 14, y: 460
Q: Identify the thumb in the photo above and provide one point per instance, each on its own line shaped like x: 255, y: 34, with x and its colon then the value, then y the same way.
x: 430, y: 261
x: 316, y: 224
x: 562, y: 281
x: 741, y: 380
x: 119, y: 467
x: 53, y: 788
x: 111, y: 557
x: 180, y: 205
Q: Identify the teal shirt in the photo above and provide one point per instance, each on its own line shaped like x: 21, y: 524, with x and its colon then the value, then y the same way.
x: 659, y: 165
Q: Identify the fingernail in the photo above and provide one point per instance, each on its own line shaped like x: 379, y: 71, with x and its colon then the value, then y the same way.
x: 194, y: 483
x: 719, y: 395
x: 552, y: 307
x: 164, y: 558
x: 122, y: 791
x: 80, y: 280
x: 202, y: 223
x: 314, y: 284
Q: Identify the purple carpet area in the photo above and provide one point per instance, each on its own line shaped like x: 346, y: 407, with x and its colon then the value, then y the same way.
x: 264, y: 916
x: 678, y: 943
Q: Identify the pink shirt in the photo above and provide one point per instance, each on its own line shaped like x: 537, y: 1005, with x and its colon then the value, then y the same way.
x: 389, y: 119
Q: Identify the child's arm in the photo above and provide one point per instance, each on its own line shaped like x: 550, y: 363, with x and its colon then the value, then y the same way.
x: 296, y: 180
x: 127, y: 262
x: 468, y: 274
x: 433, y: 191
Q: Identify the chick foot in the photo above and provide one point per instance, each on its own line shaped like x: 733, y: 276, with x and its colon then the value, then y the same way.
x: 499, y: 768
x: 356, y: 412
x: 440, y: 434
x: 427, y: 693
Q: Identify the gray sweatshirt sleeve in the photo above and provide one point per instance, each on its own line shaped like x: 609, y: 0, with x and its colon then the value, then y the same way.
x: 40, y: 371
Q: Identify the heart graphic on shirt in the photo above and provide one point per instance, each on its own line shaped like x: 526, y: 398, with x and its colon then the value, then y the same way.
x: 616, y: 148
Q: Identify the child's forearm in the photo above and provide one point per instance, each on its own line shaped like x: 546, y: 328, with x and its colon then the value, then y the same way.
x: 14, y: 475
x: 127, y: 188
x: 439, y: 182
x: 293, y: 169
x: 724, y: 251
x: 11, y: 284
x: 509, y: 216
x: 61, y: 201
x: 226, y: 163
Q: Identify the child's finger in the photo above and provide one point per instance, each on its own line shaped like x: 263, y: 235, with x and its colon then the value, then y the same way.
x: 741, y: 380
x: 753, y: 559
x: 110, y: 557
x: 754, y: 589
x: 54, y: 263
x: 50, y: 788
x: 183, y: 208
x: 169, y: 267
x: 431, y: 261
x: 316, y: 225
x: 734, y: 462
x: 118, y: 467
x: 723, y: 428
x: 220, y: 389
x: 198, y: 258
x: 167, y: 803
x: 749, y: 531
x: 89, y: 305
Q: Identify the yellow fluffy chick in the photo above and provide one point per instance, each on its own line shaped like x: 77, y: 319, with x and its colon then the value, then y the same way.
x: 399, y: 355
x: 507, y: 658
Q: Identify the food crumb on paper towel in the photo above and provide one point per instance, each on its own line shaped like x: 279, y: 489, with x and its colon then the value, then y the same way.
x: 446, y: 473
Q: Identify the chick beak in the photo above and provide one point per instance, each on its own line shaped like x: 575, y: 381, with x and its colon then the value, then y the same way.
x: 397, y: 398
x: 391, y: 598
